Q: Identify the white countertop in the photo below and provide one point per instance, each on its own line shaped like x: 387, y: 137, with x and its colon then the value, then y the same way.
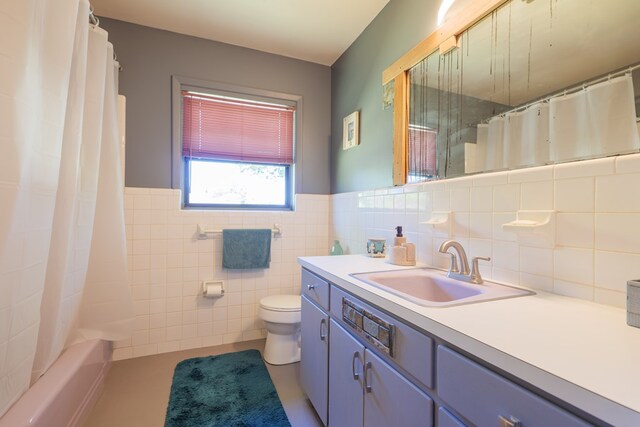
x: 581, y: 352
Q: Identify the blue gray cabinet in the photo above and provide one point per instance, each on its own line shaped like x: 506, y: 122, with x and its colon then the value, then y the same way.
x: 488, y: 399
x: 351, y: 385
x: 346, y: 395
x: 446, y: 419
x: 390, y: 399
x: 314, y: 362
x: 365, y: 391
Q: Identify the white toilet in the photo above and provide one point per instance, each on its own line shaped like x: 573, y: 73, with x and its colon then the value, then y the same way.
x: 281, y: 316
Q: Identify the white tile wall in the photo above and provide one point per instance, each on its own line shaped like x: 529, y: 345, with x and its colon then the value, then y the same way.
x: 597, y: 244
x: 597, y: 231
x: 167, y: 264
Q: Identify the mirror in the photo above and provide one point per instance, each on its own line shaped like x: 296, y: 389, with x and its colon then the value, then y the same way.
x: 533, y: 82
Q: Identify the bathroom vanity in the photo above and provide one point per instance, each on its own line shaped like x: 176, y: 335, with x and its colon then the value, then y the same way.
x: 372, y: 358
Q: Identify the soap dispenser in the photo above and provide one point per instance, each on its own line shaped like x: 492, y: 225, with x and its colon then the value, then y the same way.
x: 399, y: 240
x: 402, y: 253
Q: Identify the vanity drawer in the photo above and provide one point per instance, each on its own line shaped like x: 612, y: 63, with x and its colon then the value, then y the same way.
x: 410, y: 350
x: 315, y: 288
x: 482, y: 396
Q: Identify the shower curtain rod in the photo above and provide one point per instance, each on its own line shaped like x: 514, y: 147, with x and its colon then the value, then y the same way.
x: 568, y: 91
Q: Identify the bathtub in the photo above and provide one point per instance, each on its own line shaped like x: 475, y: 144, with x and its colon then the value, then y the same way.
x: 65, y: 394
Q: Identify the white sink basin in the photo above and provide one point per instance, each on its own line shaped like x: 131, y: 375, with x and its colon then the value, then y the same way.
x: 432, y: 288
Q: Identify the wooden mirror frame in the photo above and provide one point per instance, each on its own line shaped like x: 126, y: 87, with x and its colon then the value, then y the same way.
x: 444, y: 39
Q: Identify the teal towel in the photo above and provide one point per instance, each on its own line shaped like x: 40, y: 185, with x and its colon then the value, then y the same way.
x: 242, y: 249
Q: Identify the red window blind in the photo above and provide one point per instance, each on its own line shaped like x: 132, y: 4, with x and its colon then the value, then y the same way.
x: 216, y: 127
x: 422, y: 152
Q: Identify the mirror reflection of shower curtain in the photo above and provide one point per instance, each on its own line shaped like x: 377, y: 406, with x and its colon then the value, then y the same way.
x: 494, y: 159
x: 597, y: 121
x: 534, y: 142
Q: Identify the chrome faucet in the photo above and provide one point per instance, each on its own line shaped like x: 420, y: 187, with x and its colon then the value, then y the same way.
x: 463, y: 272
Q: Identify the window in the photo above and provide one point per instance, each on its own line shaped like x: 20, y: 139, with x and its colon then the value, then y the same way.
x: 236, y: 150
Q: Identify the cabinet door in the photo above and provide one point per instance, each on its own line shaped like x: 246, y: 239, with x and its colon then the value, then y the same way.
x: 346, y: 357
x: 314, y: 356
x: 390, y: 399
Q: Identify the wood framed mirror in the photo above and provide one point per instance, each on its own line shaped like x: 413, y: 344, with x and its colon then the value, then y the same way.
x: 506, y: 84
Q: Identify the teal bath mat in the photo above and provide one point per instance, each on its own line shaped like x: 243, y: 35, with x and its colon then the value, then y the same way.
x: 232, y: 389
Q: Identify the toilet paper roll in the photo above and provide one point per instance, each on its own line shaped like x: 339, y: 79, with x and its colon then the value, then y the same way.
x: 212, y: 289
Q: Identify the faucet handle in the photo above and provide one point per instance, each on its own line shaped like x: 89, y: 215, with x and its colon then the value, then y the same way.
x: 475, y: 269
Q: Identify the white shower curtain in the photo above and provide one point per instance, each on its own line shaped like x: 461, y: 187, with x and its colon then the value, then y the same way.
x: 597, y: 121
x: 54, y: 152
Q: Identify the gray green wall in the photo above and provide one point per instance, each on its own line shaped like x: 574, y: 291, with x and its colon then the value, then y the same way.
x: 150, y: 57
x: 356, y: 84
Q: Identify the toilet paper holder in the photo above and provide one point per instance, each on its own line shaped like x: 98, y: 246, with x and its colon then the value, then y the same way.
x: 212, y: 288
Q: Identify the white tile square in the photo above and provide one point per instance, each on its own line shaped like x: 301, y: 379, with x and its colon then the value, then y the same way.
x: 157, y: 335
x: 618, y: 232
x: 459, y: 182
x: 481, y: 199
x: 538, y: 261
x: 122, y: 353
x: 506, y: 198
x: 573, y: 265
x: 460, y: 201
x: 618, y: 193
x: 425, y: 201
x: 411, y: 202
x: 145, y: 350
x: 575, y: 229
x: 174, y: 333
x: 629, y: 163
x: 573, y: 290
x: 502, y: 275
x: 541, y: 173
x: 491, y: 179
x: 614, y: 269
x: 506, y: 255
x: 480, y: 225
x: 168, y: 347
x: 585, y: 168
x: 461, y: 225
x: 534, y: 281
x: 575, y: 195
x: 537, y: 195
x: 609, y: 297
x: 141, y: 202
x: 441, y: 201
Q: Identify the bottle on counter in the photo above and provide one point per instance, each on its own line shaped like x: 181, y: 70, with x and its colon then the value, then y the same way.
x: 336, y: 249
x: 399, y: 239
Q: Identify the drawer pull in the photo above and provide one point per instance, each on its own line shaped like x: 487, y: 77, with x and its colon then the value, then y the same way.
x: 323, y: 324
x: 310, y: 287
x: 367, y: 387
x: 508, y: 422
x: 356, y: 355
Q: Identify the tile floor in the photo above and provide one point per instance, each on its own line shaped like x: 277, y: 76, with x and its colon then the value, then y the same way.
x: 136, y: 392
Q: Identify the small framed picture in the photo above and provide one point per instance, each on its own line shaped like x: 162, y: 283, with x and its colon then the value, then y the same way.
x: 350, y: 131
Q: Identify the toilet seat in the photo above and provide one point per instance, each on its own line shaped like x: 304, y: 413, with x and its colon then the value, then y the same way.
x: 281, y: 303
